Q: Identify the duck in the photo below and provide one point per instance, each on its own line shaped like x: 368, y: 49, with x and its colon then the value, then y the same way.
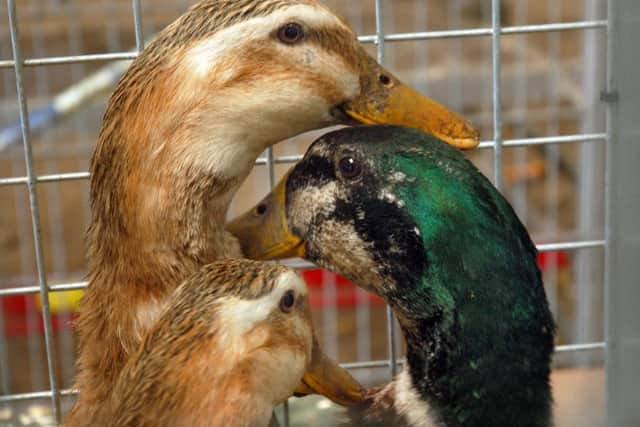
x: 408, y: 217
x: 234, y: 341
x: 183, y: 129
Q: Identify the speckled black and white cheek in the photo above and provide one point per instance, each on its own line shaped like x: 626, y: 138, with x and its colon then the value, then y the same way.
x: 409, y: 404
x: 332, y: 240
x: 310, y: 205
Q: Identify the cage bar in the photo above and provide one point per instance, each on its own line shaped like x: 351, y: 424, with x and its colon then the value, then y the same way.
x: 263, y: 161
x: 548, y: 247
x: 426, y: 35
x: 622, y: 269
x: 391, y: 330
x: 35, y: 211
x: 496, y: 56
x: 271, y: 174
x: 137, y: 25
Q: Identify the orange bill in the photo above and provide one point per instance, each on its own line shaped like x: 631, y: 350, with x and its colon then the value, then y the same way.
x: 264, y: 233
x: 324, y: 376
x: 386, y: 100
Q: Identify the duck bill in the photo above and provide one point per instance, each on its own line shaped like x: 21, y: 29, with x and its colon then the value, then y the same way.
x: 394, y: 103
x: 264, y: 232
x: 324, y: 376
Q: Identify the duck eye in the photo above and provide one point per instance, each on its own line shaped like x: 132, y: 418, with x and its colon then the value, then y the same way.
x: 287, y: 301
x: 385, y: 80
x: 349, y: 167
x: 290, y: 33
x: 261, y: 209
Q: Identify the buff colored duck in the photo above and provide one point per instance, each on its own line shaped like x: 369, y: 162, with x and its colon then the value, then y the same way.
x: 234, y: 341
x: 181, y: 132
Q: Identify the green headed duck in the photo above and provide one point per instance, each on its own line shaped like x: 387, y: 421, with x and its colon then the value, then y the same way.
x: 409, y: 218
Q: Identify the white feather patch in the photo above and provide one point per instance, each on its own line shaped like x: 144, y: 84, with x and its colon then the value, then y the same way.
x: 324, y: 198
x: 397, y: 177
x: 410, y: 404
x: 147, y: 314
x: 387, y: 195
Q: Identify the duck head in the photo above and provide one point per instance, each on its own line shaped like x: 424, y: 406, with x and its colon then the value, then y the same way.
x: 234, y: 341
x: 283, y: 67
x: 408, y: 217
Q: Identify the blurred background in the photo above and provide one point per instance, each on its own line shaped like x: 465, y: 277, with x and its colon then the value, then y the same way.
x: 551, y: 84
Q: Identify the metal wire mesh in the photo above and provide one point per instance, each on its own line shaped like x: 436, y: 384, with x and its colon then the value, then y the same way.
x: 385, y: 39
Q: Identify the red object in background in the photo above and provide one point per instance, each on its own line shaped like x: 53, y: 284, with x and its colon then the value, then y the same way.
x: 15, y: 304
x: 15, y: 316
x: 346, y: 292
x: 547, y: 260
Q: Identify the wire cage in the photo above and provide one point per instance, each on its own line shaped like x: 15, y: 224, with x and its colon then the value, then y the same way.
x: 541, y: 81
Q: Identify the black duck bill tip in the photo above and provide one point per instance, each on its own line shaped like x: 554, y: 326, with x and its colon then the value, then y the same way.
x: 264, y: 232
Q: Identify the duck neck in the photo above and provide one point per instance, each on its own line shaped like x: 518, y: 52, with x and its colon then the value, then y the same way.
x: 474, y: 375
x: 158, y: 213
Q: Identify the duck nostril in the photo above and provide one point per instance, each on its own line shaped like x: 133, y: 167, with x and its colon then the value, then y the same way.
x: 261, y: 209
x: 385, y: 80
